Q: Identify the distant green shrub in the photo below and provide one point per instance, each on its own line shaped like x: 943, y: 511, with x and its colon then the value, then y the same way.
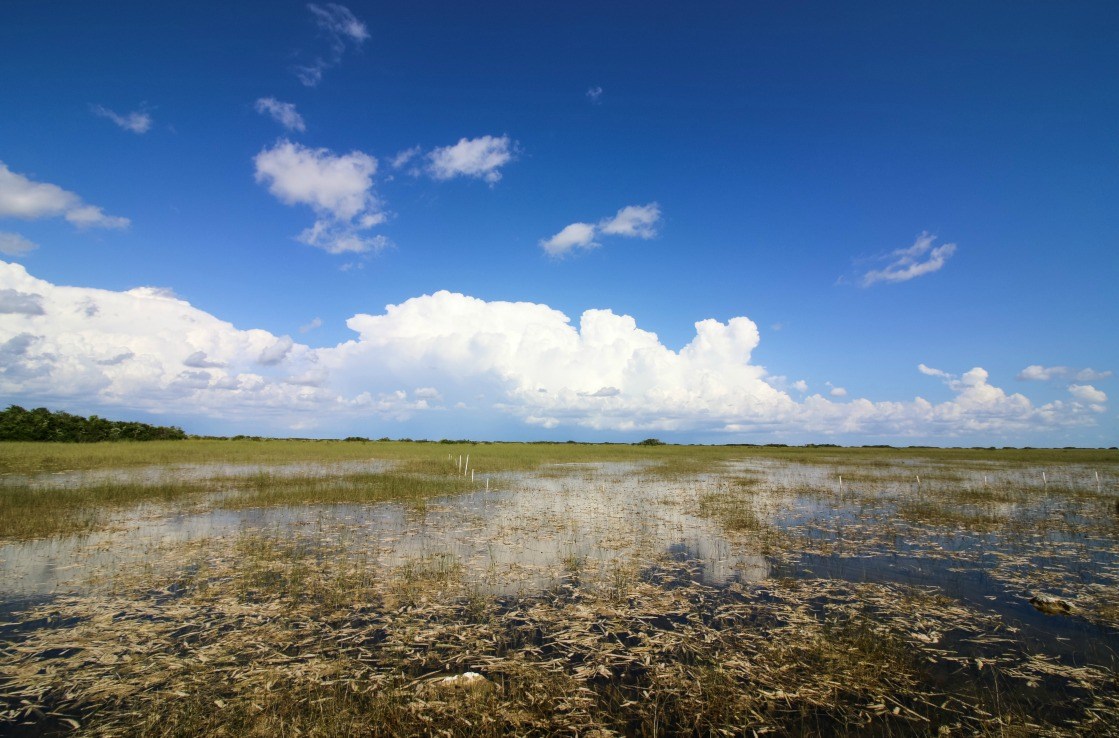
x: 40, y: 424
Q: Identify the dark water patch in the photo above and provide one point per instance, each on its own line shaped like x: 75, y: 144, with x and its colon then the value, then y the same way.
x: 1072, y: 638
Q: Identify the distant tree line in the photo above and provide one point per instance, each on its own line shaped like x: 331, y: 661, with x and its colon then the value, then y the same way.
x: 40, y: 424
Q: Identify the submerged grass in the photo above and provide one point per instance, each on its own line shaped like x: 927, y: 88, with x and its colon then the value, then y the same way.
x: 287, y: 636
x: 27, y: 512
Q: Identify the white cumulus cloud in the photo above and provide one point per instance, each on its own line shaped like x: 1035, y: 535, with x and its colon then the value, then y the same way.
x: 480, y: 157
x: 635, y: 221
x: 904, y: 264
x: 22, y: 197
x: 632, y: 221
x: 283, y: 113
x: 1087, y: 393
x: 576, y: 235
x: 338, y: 188
x: 136, y: 122
x: 147, y: 349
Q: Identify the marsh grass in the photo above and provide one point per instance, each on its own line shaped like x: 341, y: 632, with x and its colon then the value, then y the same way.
x: 27, y: 512
x: 315, y: 630
x: 28, y: 458
x: 39, y: 512
x: 268, y: 490
x: 735, y: 512
x: 256, y: 644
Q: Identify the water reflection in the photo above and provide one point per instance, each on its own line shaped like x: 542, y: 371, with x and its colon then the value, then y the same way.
x: 524, y: 535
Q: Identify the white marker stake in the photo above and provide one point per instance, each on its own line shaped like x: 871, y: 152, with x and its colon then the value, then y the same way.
x: 1097, y: 482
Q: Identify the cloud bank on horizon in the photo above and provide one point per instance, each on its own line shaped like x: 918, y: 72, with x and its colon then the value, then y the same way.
x: 458, y: 356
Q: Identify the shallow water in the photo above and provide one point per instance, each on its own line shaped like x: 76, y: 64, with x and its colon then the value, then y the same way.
x: 522, y: 536
x: 527, y: 534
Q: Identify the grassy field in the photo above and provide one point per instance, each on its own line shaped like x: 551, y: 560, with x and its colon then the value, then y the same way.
x: 30, y: 458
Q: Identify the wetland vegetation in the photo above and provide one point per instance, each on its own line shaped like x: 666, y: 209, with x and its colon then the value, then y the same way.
x: 253, y: 587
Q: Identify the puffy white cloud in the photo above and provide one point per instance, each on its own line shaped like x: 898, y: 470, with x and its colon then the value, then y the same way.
x: 1087, y: 393
x: 310, y: 326
x: 340, y: 28
x: 837, y: 392
x: 338, y: 188
x: 21, y: 197
x: 576, y: 235
x: 465, y: 358
x: 137, y: 121
x: 480, y: 157
x: 283, y: 113
x: 1038, y: 373
x: 638, y: 221
x: 632, y: 221
x: 917, y: 260
x: 13, y: 244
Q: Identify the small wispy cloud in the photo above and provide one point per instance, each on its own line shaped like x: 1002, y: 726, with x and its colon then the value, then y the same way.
x: 13, y: 244
x: 1039, y: 373
x: 594, y: 94
x: 312, y: 325
x: 137, y: 121
x: 909, y: 263
x: 283, y: 113
x: 632, y: 221
x: 403, y: 157
x: 341, y: 29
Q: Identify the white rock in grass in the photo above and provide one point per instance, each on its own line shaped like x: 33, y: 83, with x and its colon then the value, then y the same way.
x: 466, y: 680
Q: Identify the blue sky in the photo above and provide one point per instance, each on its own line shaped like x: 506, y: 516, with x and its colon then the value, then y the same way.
x: 848, y: 192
